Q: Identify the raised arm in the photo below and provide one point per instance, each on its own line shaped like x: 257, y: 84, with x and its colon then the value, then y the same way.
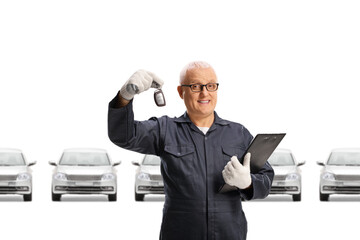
x: 123, y: 130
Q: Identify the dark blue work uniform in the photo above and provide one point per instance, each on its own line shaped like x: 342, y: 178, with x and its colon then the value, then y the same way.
x: 191, y: 165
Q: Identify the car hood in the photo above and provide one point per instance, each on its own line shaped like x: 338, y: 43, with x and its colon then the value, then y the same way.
x: 12, y: 170
x: 343, y: 170
x: 284, y: 170
x: 84, y: 170
x: 153, y: 170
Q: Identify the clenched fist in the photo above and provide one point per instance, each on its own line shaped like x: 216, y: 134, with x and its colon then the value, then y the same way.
x: 139, y: 82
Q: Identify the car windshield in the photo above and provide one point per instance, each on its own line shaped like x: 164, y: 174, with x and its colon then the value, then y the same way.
x: 281, y: 159
x: 151, y: 160
x: 11, y: 159
x: 84, y: 159
x: 344, y: 158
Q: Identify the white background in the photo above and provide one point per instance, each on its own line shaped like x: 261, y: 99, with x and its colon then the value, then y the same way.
x: 283, y: 66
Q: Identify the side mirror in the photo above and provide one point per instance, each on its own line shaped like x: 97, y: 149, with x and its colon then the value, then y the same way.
x: 135, y: 163
x: 301, y: 163
x: 52, y: 163
x: 116, y: 163
x: 320, y: 163
x: 31, y: 164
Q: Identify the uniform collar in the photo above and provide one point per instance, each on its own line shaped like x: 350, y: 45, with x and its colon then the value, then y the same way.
x: 185, y: 119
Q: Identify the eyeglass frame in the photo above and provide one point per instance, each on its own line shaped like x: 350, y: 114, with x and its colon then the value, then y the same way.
x: 202, y: 87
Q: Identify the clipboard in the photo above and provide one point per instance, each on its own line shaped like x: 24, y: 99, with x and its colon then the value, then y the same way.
x: 261, y: 148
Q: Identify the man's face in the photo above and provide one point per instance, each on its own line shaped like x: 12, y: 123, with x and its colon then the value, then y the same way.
x: 199, y: 104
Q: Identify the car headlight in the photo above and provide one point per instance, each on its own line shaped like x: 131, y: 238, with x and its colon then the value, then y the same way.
x: 60, y: 176
x: 292, y: 176
x: 23, y: 177
x: 107, y: 177
x: 144, y: 176
x: 328, y: 176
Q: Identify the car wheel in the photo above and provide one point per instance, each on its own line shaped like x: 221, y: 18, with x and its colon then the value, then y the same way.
x: 296, y: 197
x: 139, y: 197
x: 56, y: 197
x: 27, y: 197
x: 112, y: 197
x: 324, y: 197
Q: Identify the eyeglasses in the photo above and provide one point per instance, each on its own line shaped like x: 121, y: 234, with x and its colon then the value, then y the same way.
x: 211, y: 87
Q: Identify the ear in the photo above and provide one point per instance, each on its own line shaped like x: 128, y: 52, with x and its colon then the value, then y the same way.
x: 180, y: 91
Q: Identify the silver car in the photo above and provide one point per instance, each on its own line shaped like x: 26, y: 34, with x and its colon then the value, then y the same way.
x: 15, y: 174
x: 287, y: 179
x: 84, y: 171
x: 148, y: 179
x: 340, y: 174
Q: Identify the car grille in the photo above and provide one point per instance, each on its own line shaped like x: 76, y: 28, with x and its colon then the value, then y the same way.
x: 348, y: 177
x: 8, y: 177
x: 156, y: 177
x: 279, y: 177
x: 84, y: 177
x: 276, y: 189
x: 342, y: 189
x: 13, y: 189
x: 159, y: 189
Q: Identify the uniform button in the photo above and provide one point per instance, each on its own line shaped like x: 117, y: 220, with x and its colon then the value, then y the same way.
x: 178, y: 153
x: 205, y: 138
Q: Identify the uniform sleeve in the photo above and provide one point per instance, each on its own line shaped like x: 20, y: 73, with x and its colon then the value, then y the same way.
x: 138, y: 136
x: 261, y: 184
x: 261, y: 181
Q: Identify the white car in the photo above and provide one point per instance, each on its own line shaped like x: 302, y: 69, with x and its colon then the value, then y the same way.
x: 148, y: 179
x: 341, y: 173
x: 84, y: 171
x: 287, y: 179
x: 15, y: 174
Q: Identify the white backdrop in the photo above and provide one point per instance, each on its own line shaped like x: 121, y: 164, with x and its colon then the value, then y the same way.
x: 283, y: 66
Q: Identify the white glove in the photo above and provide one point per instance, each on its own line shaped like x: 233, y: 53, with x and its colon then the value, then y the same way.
x: 237, y: 174
x: 139, y: 82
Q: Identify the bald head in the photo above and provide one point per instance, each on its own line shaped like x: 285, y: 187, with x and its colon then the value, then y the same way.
x: 193, y: 66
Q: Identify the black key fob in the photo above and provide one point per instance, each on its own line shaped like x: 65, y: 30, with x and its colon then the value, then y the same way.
x: 159, y: 98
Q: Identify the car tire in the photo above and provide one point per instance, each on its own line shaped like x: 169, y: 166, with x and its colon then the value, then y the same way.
x: 296, y: 197
x: 27, y: 197
x: 324, y: 197
x: 139, y: 197
x: 56, y: 197
x: 112, y: 197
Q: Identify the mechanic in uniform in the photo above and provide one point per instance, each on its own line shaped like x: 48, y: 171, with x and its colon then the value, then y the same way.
x: 198, y: 155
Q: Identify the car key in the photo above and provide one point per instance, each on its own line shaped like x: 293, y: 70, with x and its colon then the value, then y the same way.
x: 159, y: 98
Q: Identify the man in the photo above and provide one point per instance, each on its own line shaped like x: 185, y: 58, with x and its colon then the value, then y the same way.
x: 198, y: 155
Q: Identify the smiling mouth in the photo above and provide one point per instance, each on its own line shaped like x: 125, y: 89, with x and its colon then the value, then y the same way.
x: 203, y: 101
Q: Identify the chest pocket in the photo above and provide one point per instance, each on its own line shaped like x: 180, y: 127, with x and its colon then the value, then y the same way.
x: 229, y: 151
x: 179, y: 161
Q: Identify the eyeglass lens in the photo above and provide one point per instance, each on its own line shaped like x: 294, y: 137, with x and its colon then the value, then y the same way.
x: 198, y: 87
